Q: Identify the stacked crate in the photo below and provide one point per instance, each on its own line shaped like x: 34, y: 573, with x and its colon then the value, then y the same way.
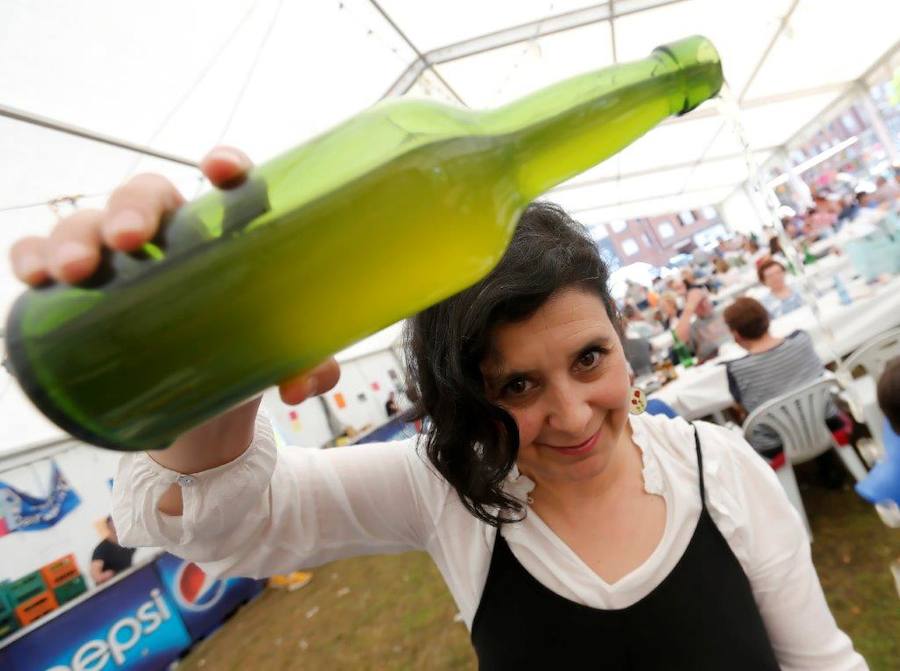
x: 8, y: 621
x: 63, y: 577
x: 30, y: 597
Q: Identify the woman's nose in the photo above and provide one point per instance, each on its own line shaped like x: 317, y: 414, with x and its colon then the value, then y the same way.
x: 568, y: 410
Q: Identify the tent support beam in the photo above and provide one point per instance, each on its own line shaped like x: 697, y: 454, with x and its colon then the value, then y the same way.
x: 515, y: 35
x: 69, y: 129
x: 652, y: 171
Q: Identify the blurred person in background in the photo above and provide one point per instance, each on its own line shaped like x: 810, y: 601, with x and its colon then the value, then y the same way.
x: 636, y: 326
x: 636, y: 293
x: 109, y: 558
x: 781, y: 298
x: 391, y: 407
x: 668, y: 313
x: 820, y: 220
x: 700, y: 327
x: 773, y: 366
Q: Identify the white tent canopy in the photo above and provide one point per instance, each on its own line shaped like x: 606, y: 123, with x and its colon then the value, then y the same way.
x: 263, y: 75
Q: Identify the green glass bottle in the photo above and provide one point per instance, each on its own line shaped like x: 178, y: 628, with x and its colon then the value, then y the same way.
x: 682, y: 353
x: 390, y: 212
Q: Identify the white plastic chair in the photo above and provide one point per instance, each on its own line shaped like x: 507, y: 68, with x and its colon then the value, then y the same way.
x: 798, y: 418
x: 859, y: 393
x: 873, y: 355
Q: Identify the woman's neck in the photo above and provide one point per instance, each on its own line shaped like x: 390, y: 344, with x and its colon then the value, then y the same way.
x: 764, y: 344
x: 783, y: 292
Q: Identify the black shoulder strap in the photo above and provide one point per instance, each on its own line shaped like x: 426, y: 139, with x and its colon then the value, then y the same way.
x: 700, y: 466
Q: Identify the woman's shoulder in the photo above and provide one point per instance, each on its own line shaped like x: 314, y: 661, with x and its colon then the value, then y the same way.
x: 726, y: 454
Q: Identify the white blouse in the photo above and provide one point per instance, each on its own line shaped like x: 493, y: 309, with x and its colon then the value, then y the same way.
x: 273, y: 511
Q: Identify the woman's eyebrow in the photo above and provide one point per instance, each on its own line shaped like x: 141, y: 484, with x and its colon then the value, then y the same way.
x: 503, y: 374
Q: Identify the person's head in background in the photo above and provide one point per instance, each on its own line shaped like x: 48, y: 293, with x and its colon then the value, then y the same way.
x: 775, y: 246
x: 747, y: 320
x: 772, y: 274
x: 721, y: 265
x: 668, y: 304
x: 751, y: 246
x: 865, y: 199
x: 111, y: 530
x: 676, y: 285
x: 631, y: 313
x: 889, y: 393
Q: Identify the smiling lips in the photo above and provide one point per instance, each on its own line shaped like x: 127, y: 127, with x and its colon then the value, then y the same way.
x: 575, y: 450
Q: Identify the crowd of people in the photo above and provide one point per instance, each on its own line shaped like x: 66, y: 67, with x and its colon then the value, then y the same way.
x: 710, y: 302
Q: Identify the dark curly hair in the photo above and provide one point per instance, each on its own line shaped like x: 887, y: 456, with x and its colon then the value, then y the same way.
x: 470, y: 441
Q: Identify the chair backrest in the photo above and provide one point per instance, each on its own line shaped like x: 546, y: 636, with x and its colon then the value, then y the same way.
x: 638, y: 353
x: 874, y: 355
x: 798, y: 418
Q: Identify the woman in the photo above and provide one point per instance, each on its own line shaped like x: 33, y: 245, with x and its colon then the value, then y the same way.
x: 570, y: 533
x: 781, y: 298
x: 773, y: 366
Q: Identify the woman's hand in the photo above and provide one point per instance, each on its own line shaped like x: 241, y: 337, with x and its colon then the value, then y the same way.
x: 72, y: 251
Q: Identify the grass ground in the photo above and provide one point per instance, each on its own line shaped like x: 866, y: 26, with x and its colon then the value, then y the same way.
x: 394, y: 612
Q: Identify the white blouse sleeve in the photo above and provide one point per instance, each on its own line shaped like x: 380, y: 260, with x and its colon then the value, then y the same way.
x: 767, y: 535
x: 278, y: 510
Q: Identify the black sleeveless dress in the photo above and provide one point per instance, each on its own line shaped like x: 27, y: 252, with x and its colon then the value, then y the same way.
x: 701, y: 617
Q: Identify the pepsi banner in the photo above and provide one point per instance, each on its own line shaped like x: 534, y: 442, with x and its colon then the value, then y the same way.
x: 202, y: 602
x: 131, y: 624
x: 22, y: 512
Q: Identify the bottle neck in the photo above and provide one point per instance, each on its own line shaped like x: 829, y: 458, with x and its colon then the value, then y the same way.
x: 565, y: 129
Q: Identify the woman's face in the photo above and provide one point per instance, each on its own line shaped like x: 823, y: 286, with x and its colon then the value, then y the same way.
x: 562, y: 375
x: 773, y: 277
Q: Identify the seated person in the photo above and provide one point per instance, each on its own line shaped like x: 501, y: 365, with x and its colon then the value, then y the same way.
x: 780, y: 298
x: 700, y: 327
x: 109, y: 557
x: 668, y: 313
x: 635, y: 324
x: 772, y: 367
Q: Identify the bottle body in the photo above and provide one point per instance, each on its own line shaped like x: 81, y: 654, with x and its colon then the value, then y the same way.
x: 681, y: 351
x: 393, y: 211
x: 207, y: 326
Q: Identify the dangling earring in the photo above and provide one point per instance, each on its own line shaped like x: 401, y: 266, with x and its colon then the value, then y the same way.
x: 637, y: 401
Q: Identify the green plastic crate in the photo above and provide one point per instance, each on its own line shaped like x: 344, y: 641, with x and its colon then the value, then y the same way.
x: 6, y: 606
x: 25, y: 588
x: 8, y: 624
x: 69, y: 590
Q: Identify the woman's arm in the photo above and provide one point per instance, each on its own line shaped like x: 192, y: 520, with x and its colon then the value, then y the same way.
x: 272, y: 511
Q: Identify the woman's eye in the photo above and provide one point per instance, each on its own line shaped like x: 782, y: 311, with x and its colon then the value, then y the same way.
x: 590, y: 358
x: 516, y: 387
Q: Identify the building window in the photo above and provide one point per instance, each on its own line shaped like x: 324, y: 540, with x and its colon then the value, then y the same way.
x: 630, y: 247
x: 710, y: 213
x: 665, y: 229
x: 686, y: 218
x: 618, y: 225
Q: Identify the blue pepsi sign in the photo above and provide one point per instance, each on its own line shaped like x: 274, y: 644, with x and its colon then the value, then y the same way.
x: 130, y: 625
x: 202, y: 602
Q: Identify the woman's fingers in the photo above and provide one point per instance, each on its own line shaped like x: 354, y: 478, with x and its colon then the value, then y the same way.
x: 317, y: 381
x: 135, y: 209
x: 72, y: 251
x: 132, y: 217
x: 226, y: 167
x: 28, y: 260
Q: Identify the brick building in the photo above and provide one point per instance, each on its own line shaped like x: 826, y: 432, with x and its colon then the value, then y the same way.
x: 657, y: 239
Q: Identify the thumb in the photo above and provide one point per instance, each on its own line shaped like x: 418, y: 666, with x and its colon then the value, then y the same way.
x: 320, y: 379
x: 226, y: 167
